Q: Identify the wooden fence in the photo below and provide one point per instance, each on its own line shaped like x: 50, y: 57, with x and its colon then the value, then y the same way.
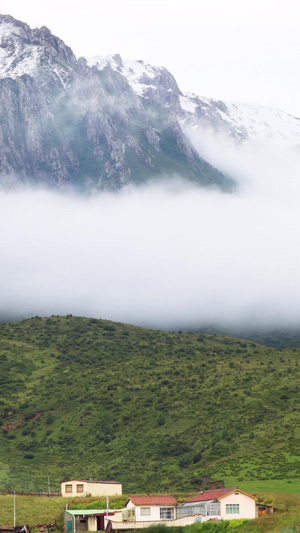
x: 294, y: 528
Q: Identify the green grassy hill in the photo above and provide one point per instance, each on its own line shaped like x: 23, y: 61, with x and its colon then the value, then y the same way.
x: 156, y: 410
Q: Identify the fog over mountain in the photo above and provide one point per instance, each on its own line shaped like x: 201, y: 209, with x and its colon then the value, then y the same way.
x: 148, y: 242
x: 162, y: 255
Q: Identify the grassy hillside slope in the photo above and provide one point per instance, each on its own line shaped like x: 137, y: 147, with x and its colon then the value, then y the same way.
x: 156, y: 410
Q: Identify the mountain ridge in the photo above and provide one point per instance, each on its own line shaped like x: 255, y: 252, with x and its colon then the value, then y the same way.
x: 106, y: 123
x: 64, y: 124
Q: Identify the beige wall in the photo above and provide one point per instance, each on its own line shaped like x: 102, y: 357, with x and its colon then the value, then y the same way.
x: 91, y: 489
x: 92, y: 523
x: 247, y: 506
x: 117, y: 517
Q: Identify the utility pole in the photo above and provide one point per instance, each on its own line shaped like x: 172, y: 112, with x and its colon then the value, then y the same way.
x: 14, y: 508
x: 49, y: 486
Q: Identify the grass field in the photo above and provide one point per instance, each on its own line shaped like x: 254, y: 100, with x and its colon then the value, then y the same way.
x: 32, y: 510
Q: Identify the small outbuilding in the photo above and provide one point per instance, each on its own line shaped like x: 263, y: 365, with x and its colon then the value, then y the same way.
x: 84, y: 487
x: 85, y: 519
x: 262, y: 509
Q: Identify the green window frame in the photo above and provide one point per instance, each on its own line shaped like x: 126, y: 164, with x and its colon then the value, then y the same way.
x: 167, y: 513
x: 232, y: 508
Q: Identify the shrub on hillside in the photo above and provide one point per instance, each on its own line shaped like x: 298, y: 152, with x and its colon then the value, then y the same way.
x: 161, y: 419
x: 222, y: 526
x: 161, y: 528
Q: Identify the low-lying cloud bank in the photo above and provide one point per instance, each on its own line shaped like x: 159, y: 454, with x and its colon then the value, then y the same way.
x: 167, y: 255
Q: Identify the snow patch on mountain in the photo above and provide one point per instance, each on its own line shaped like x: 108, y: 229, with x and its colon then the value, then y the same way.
x: 264, y: 123
x: 16, y: 56
x: 138, y: 74
x: 187, y: 104
x: 241, y: 121
x: 8, y: 29
x: 24, y: 51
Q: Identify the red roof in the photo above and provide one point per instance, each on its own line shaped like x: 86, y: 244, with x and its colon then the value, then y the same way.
x: 210, y: 495
x: 90, y: 481
x: 153, y: 500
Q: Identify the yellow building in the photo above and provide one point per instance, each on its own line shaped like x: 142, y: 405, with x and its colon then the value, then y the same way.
x: 83, y: 487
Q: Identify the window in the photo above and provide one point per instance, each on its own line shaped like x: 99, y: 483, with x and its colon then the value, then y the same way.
x: 166, y: 513
x: 232, y: 508
x: 79, y: 488
x: 145, y: 511
x: 68, y: 489
x: 128, y: 515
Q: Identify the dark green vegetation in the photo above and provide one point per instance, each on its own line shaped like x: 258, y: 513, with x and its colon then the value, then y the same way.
x: 156, y: 410
x: 209, y: 527
x: 272, y: 337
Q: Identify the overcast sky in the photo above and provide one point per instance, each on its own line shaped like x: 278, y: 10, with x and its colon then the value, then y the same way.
x: 236, y: 50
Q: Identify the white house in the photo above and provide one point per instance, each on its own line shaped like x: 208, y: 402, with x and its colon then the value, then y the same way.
x: 220, y: 504
x: 143, y: 511
x: 150, y: 508
x: 83, y: 487
x: 224, y: 504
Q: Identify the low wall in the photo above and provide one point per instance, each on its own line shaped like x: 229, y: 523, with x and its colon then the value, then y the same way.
x: 185, y: 521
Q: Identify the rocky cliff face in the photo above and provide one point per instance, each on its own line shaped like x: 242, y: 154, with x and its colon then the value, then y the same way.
x: 65, y: 123
x: 105, y: 123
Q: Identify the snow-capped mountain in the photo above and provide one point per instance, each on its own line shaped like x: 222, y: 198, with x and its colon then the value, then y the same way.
x: 151, y: 83
x: 240, y: 120
x: 24, y: 51
x: 104, y: 123
x: 261, y: 124
x: 66, y: 124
